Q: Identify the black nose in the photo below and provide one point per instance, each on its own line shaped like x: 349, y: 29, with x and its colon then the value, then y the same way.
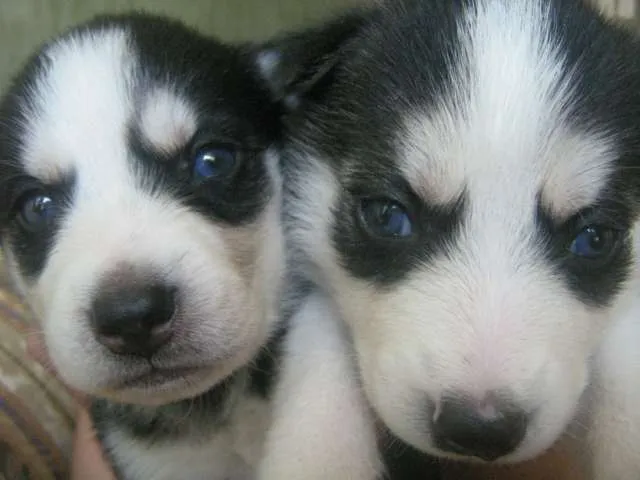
x: 487, y: 429
x: 134, y: 320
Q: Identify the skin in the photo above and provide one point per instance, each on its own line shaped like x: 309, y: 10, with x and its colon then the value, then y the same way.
x: 87, y: 460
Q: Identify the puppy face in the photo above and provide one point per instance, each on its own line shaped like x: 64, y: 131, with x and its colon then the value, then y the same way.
x: 467, y: 188
x: 140, y: 207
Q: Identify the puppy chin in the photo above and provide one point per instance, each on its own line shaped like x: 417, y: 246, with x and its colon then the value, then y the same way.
x: 521, y: 455
x: 147, y: 392
x: 163, y: 386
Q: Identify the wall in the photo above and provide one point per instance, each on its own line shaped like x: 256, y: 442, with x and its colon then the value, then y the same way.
x: 623, y: 8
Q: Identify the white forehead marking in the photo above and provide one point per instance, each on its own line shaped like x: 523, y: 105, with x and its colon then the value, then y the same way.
x: 167, y: 121
x: 505, y: 124
x: 582, y: 165
x: 81, y: 105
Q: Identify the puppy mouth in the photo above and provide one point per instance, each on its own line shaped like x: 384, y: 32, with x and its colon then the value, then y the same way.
x: 162, y: 378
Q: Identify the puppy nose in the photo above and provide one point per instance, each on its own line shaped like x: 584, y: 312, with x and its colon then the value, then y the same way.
x: 487, y: 429
x: 134, y: 320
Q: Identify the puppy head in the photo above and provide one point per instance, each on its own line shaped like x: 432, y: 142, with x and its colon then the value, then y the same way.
x: 467, y: 188
x: 140, y: 206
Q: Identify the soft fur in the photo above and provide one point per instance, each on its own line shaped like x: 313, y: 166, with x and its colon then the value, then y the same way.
x: 318, y: 401
x: 499, y: 133
x: 102, y: 127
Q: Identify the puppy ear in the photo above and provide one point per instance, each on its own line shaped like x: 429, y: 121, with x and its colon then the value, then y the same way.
x: 296, y: 63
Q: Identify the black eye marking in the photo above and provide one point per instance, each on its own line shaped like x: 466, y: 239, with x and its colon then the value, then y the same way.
x: 383, y: 231
x: 33, y: 218
x: 591, y: 250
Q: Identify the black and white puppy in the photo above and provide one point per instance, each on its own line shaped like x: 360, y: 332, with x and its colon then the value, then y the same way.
x: 464, y: 181
x: 140, y: 205
x: 322, y: 425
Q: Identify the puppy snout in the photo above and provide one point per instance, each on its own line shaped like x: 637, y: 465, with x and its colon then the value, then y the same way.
x: 487, y: 429
x: 133, y: 318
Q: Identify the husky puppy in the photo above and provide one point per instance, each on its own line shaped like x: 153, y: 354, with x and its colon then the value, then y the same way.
x: 140, y: 218
x: 463, y: 180
x: 322, y: 425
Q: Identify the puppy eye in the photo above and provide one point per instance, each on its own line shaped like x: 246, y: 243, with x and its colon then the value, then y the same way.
x: 385, y: 218
x: 594, y: 242
x: 36, y: 211
x: 213, y: 162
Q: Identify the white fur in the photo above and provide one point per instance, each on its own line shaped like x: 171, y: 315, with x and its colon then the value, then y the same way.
x: 268, y: 61
x: 232, y: 452
x: 167, y: 121
x: 492, y: 315
x: 74, y: 117
x: 614, y: 418
x: 322, y: 428
x: 507, y: 127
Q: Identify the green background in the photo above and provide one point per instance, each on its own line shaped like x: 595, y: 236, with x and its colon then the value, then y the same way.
x: 24, y: 24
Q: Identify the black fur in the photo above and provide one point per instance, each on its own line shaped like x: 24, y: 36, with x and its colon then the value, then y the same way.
x: 31, y: 248
x: 403, y: 462
x: 594, y: 281
x: 387, y: 261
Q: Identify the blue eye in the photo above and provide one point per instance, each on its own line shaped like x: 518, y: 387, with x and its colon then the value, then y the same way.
x: 213, y: 162
x: 386, y: 218
x: 593, y: 242
x: 36, y: 211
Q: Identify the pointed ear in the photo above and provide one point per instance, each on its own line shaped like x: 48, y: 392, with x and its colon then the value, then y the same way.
x: 295, y: 64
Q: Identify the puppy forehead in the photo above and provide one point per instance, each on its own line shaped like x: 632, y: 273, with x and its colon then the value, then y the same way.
x: 91, y: 90
x: 503, y: 122
x: 80, y: 102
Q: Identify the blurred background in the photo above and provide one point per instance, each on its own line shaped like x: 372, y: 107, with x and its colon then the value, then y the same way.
x: 625, y: 9
x: 24, y: 24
